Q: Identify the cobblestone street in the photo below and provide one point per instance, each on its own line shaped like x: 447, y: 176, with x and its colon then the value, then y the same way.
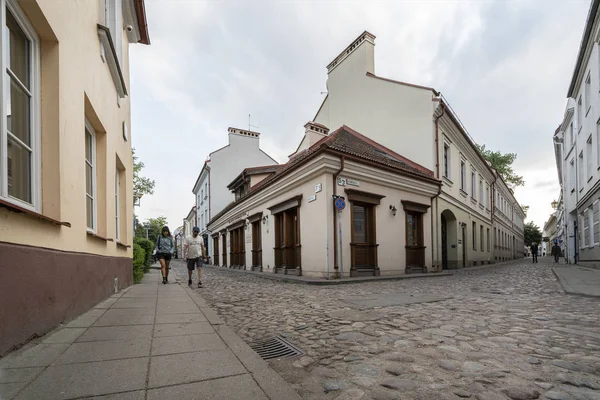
x: 501, y: 332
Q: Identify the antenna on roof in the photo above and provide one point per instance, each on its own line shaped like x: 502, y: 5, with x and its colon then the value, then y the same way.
x: 249, y: 125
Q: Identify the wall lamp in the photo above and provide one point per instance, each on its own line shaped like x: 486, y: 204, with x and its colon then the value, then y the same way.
x: 265, y: 219
x: 393, y: 209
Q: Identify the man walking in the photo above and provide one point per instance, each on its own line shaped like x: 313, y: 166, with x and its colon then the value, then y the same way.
x: 193, y: 252
x: 534, y: 252
x: 556, y: 251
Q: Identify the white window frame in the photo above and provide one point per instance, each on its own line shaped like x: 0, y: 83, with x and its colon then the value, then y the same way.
x: 447, y: 162
x: 487, y: 196
x: 480, y: 190
x: 473, y: 184
x: 205, y: 190
x: 34, y: 108
x: 117, y: 206
x: 589, y: 154
x: 94, y: 229
x: 596, y: 239
x: 579, y: 115
x: 571, y: 135
x: 590, y: 212
x: 463, y: 175
x: 572, y: 174
x: 598, y: 142
x: 113, y: 20
x: 587, y: 92
x: 580, y: 174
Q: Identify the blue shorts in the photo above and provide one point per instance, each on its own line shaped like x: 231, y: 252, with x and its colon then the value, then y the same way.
x: 192, y: 263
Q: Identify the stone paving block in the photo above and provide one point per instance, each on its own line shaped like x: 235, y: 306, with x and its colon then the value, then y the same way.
x: 180, y: 318
x: 190, y: 367
x: 59, y: 382
x: 137, y: 395
x: 95, y: 334
x: 135, y: 302
x: 274, y: 385
x: 8, y: 391
x: 192, y: 328
x: 105, y: 350
x: 63, y: 335
x: 231, y: 388
x: 39, y: 355
x: 18, y: 374
x: 86, y: 320
x: 185, y: 344
x: 125, y: 316
x: 396, y: 299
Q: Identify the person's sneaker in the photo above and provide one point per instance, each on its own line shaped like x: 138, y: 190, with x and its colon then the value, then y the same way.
x: 189, y: 281
x: 199, y: 284
x: 164, y: 280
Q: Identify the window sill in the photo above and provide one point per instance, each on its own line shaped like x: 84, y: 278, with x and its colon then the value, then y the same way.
x: 123, y: 245
x: 588, y: 111
x: 590, y: 178
x: 572, y: 191
x: 473, y: 201
x: 96, y: 236
x: 463, y: 193
x: 448, y: 181
x: 481, y: 206
x: 112, y: 60
x: 14, y: 208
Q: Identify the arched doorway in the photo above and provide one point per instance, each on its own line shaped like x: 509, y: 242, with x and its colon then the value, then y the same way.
x: 449, y: 230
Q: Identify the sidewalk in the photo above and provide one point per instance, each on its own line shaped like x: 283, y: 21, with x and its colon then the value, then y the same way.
x: 150, y: 341
x: 579, y: 280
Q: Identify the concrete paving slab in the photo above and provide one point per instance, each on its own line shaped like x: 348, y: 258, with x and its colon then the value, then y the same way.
x: 180, y: 309
x: 231, y: 388
x: 137, y: 395
x: 192, y: 328
x: 63, y: 335
x: 105, y: 350
x: 180, y: 318
x: 274, y: 385
x: 60, y: 382
x: 18, y: 374
x: 249, y: 358
x: 86, y: 320
x: 186, y: 344
x: 575, y: 279
x: 39, y: 355
x: 191, y: 367
x: 106, y: 303
x: 125, y: 316
x: 135, y: 302
x: 8, y: 391
x: 95, y: 334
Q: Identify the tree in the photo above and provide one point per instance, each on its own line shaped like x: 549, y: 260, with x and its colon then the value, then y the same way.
x: 532, y: 233
x: 154, y: 227
x: 525, y: 210
x: 141, y: 185
x: 503, y: 164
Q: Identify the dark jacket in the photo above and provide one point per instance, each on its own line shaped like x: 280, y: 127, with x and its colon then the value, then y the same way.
x: 534, y: 249
x: 556, y: 250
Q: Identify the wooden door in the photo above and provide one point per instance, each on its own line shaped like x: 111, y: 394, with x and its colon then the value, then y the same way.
x: 415, y: 250
x: 464, y: 245
x: 256, y: 244
x: 363, y: 236
x: 241, y: 247
x: 279, y: 242
x: 216, y: 250
x: 224, y: 249
x: 444, y: 243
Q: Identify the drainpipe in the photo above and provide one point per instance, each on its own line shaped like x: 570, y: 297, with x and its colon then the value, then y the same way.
x: 335, y: 247
x: 209, y: 217
x: 437, y: 170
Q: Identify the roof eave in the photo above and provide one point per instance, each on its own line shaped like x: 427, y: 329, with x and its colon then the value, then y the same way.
x: 591, y: 18
x: 140, y: 11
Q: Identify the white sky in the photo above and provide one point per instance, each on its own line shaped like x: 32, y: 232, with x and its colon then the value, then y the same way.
x: 504, y: 66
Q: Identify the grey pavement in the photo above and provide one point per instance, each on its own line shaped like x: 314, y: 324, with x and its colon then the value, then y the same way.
x: 505, y: 331
x: 150, y: 341
x: 576, y: 279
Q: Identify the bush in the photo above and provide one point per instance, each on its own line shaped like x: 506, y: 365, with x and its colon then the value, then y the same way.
x: 148, y: 247
x: 139, y: 257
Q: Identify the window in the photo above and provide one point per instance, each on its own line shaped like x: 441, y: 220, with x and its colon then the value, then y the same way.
x: 202, y: 222
x: 591, y: 227
x: 588, y: 154
x: 571, y: 135
x: 463, y: 175
x: 586, y: 228
x: 487, y: 239
x: 581, y: 231
x: 480, y: 191
x: 201, y: 195
x: 579, y: 115
x: 206, y: 216
x: 495, y: 237
x: 580, y: 174
x: 19, y: 137
x: 446, y: 160
x: 481, y: 237
x: 90, y: 176
x: 473, y: 192
x: 474, y: 233
x: 572, y: 174
x: 487, y: 196
x: 205, y: 190
x: 113, y: 19
x: 587, y: 91
x: 598, y: 142
x: 117, y: 206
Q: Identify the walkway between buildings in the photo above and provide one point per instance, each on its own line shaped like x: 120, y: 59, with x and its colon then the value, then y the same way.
x: 579, y: 280
x: 151, y: 341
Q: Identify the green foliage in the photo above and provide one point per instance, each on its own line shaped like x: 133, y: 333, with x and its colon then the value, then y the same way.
x: 503, y: 164
x: 154, y: 226
x: 533, y: 233
x: 141, y: 185
x: 139, y: 257
x: 148, y: 247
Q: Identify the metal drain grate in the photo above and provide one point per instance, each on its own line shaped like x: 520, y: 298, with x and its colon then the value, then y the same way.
x: 275, y: 347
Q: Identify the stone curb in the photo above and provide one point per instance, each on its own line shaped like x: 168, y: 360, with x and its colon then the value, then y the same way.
x: 567, y: 288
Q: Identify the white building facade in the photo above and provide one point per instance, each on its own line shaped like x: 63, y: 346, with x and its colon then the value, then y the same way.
x: 577, y: 149
x: 210, y: 190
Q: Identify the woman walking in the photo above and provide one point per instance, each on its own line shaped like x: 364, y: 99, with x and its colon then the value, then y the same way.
x: 164, y: 249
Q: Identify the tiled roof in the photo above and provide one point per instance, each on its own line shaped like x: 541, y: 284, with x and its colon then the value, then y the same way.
x: 266, y: 169
x: 345, y: 141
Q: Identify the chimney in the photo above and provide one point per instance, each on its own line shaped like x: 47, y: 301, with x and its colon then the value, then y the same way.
x: 243, y: 137
x: 362, y: 53
x: 314, y: 132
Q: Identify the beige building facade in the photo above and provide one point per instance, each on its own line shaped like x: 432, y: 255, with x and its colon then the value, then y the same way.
x: 66, y: 206
x: 286, y: 221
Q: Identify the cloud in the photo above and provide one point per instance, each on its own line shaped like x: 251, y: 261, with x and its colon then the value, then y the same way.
x: 504, y: 67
